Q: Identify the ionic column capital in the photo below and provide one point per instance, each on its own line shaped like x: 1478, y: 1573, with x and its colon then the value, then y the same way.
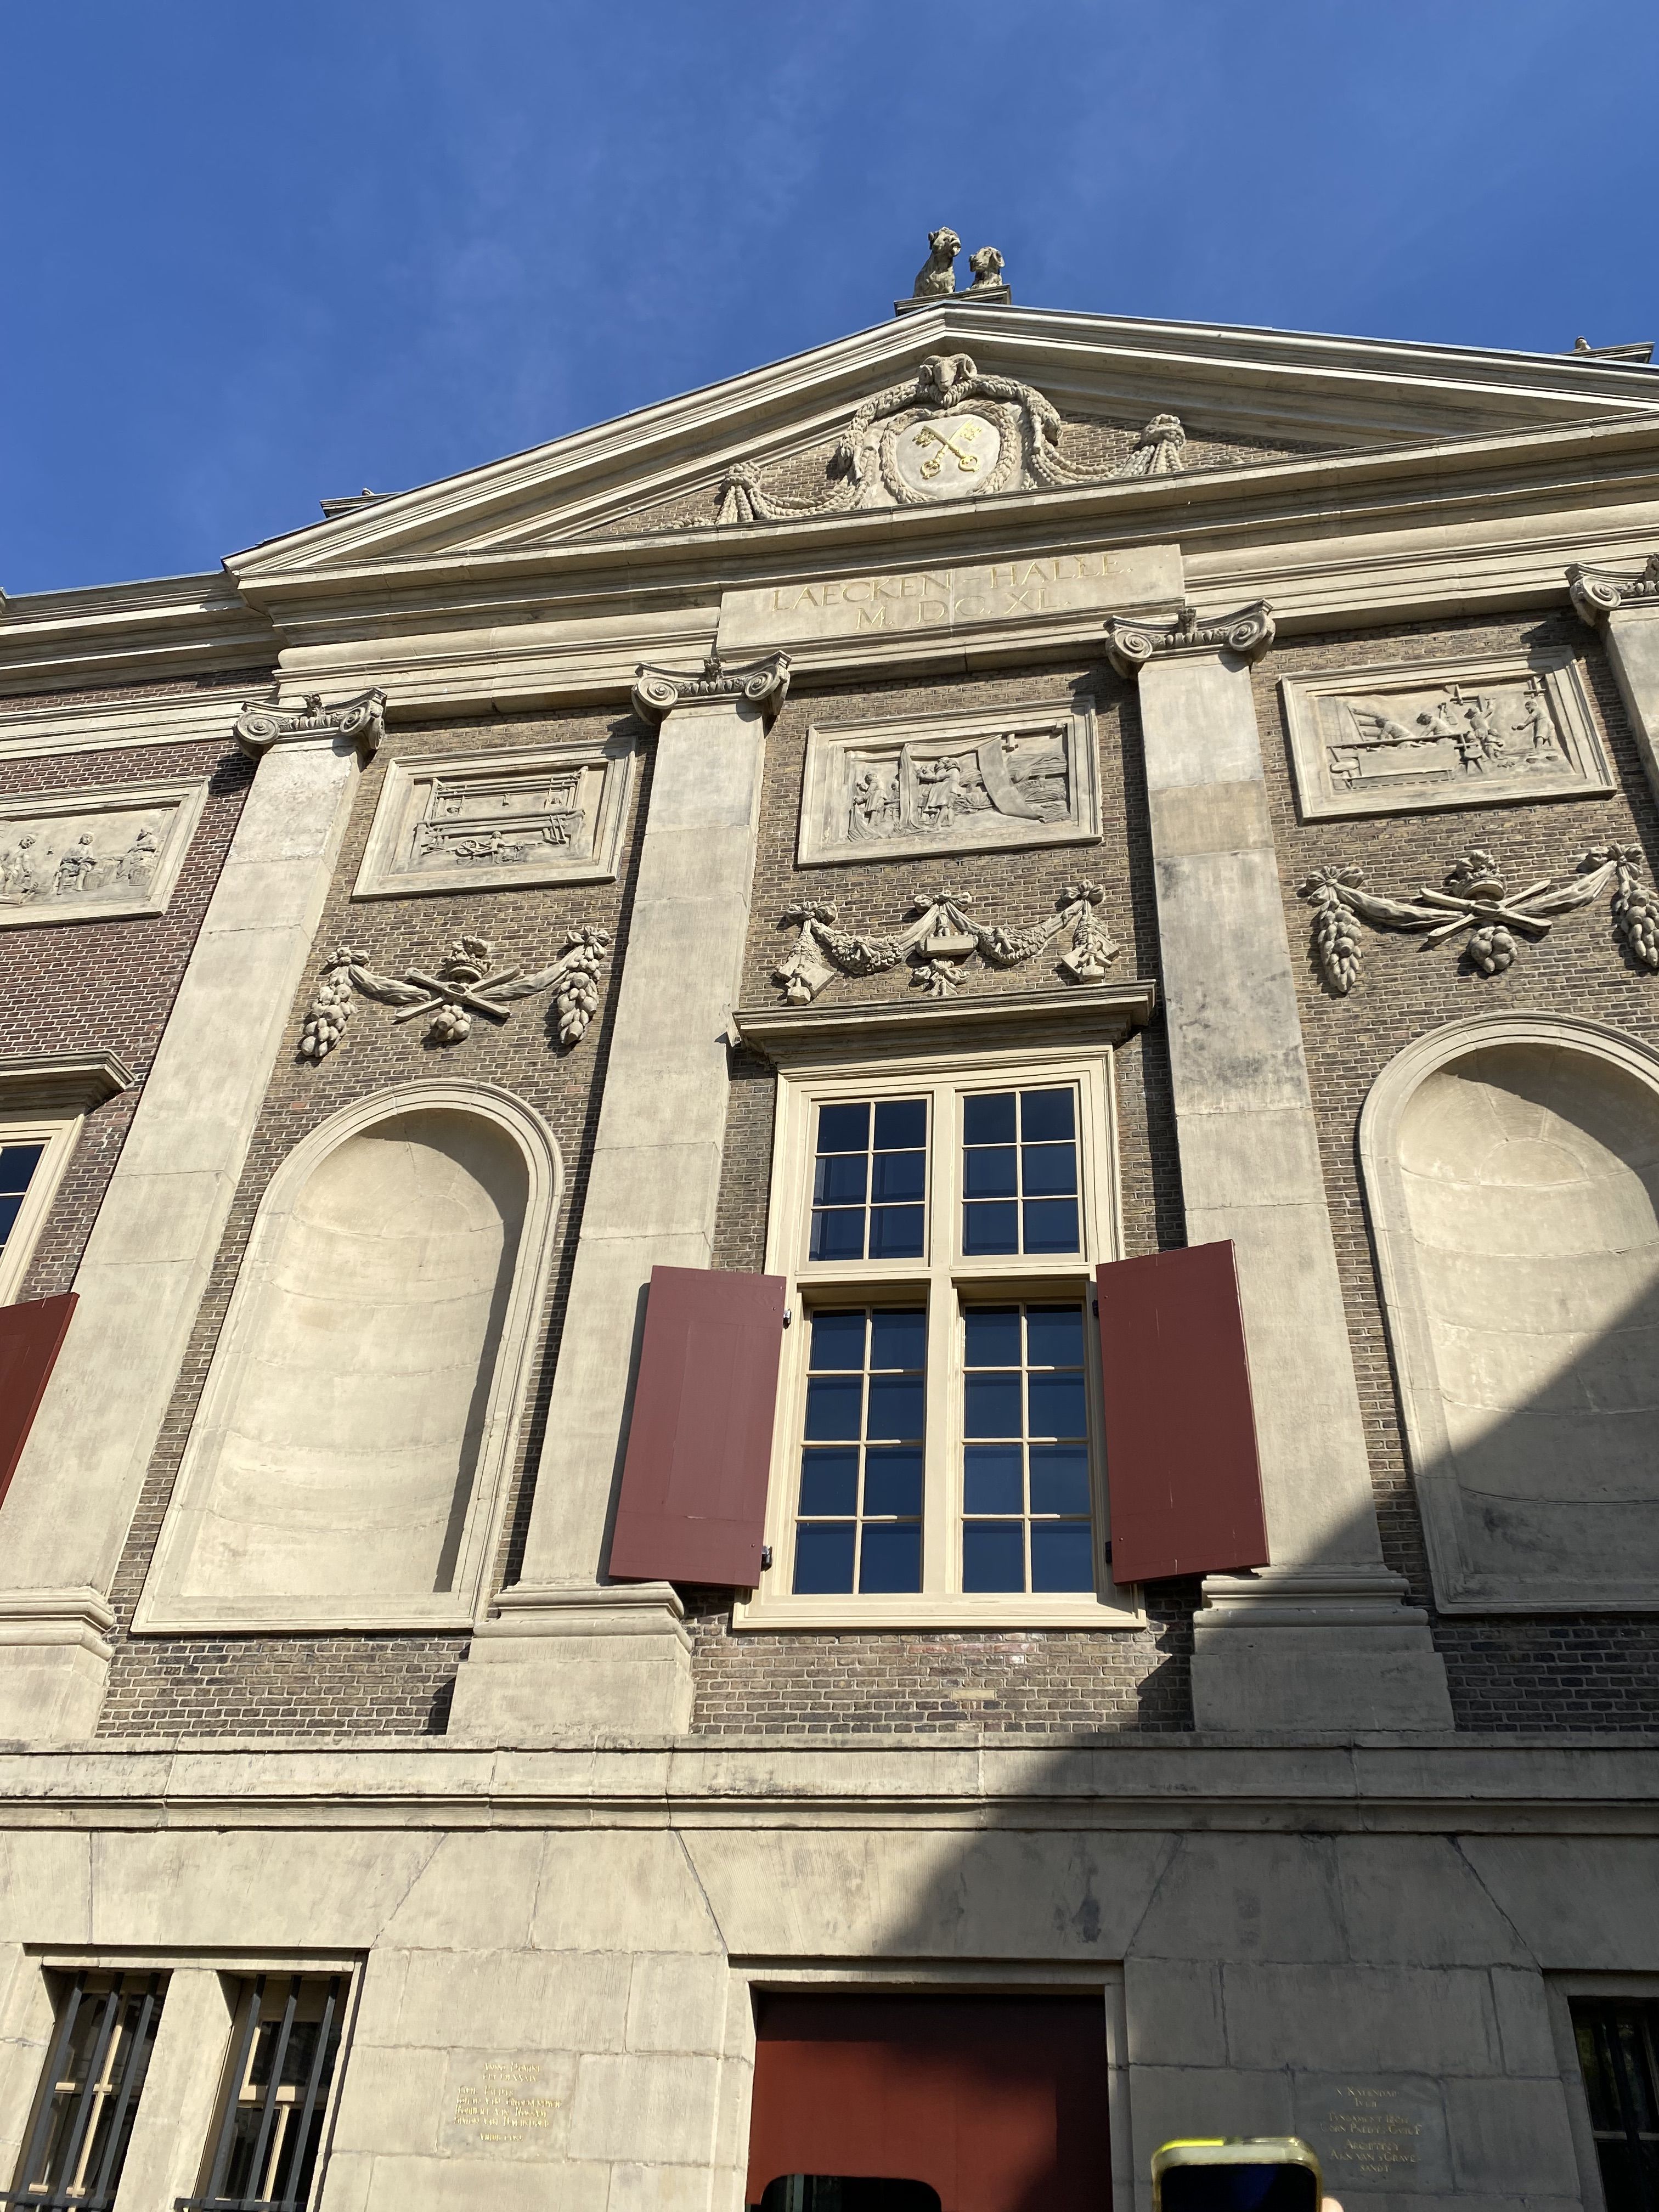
x: 762, y: 685
x: 360, y: 719
x: 1598, y: 592
x: 1131, y: 642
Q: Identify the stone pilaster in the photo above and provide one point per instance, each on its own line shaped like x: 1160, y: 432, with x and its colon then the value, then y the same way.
x: 1626, y: 609
x: 569, y: 1650
x: 1319, y: 1640
x: 147, y: 1262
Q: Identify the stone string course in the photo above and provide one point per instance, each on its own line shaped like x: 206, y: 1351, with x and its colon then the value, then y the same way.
x: 382, y: 1684
x: 1505, y: 1672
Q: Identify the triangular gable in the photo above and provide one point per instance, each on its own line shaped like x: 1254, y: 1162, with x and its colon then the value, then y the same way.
x: 765, y: 445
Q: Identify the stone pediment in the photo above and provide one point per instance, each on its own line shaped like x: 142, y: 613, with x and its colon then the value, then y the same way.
x: 952, y: 405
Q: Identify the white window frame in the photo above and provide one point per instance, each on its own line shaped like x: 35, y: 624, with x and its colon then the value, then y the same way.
x: 945, y: 1065
x: 45, y: 1100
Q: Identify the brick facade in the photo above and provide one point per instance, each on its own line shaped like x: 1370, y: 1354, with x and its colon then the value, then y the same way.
x: 391, y: 1684
x: 109, y: 986
x: 1504, y: 1672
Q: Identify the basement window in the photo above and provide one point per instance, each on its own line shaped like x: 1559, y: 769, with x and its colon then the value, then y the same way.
x: 103, y: 2034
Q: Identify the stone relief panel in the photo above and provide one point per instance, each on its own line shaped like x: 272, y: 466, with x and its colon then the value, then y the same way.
x: 896, y: 788
x: 497, y: 821
x: 97, y: 855
x: 1403, y: 738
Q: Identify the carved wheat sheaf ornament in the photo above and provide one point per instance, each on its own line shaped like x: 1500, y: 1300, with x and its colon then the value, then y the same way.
x: 462, y: 985
x: 939, y: 941
x: 1476, y: 905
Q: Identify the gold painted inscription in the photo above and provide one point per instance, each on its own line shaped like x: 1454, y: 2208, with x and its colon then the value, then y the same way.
x: 1374, y: 2139
x: 499, y: 2107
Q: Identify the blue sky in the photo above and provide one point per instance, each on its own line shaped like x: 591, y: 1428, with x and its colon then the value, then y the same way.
x: 259, y: 255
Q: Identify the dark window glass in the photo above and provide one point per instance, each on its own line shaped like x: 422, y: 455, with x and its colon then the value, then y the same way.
x: 1027, y: 1519
x: 859, y: 1515
x: 834, y: 2193
x: 1019, y: 1173
x: 18, y: 1166
x: 1616, y: 2038
x: 870, y: 1181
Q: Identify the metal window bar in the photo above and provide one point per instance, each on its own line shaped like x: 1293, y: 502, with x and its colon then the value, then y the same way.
x: 78, y: 2144
x: 1622, y: 2082
x: 276, y: 2125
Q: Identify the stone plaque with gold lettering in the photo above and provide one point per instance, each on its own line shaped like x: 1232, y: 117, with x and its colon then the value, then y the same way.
x: 507, y: 2103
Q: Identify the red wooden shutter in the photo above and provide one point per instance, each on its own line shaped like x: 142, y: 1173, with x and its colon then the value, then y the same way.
x: 1180, y: 1458
x: 692, y: 1502
x: 31, y: 1338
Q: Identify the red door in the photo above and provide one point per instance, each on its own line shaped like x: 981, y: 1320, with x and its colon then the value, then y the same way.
x: 997, y: 2104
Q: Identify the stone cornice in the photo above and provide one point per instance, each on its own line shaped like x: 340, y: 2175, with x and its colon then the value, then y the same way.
x: 61, y: 1082
x: 129, y: 633
x: 1403, y: 1784
x: 790, y: 1036
x: 1353, y: 391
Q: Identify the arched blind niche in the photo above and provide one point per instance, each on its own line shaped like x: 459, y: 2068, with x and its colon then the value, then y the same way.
x: 347, y: 1463
x: 1512, y: 1168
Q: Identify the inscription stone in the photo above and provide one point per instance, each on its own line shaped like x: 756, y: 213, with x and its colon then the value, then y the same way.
x: 946, y: 600
x: 508, y: 2104
x: 1376, y: 2135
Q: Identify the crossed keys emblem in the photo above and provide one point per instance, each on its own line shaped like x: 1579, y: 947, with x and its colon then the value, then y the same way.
x: 927, y: 434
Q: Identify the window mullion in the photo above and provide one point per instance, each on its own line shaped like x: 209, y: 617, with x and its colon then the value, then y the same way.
x: 936, y: 1525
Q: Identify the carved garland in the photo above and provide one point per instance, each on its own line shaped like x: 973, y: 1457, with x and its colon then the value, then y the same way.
x: 1030, y: 424
x: 462, y: 986
x: 936, y: 944
x: 1475, y: 901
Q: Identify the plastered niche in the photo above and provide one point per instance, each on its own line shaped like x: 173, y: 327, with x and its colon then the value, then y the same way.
x: 1512, y: 1165
x: 346, y: 1460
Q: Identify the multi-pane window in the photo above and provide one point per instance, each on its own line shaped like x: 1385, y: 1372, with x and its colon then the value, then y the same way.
x: 1027, y: 1522
x: 102, y: 2038
x: 284, y: 2047
x: 870, y: 1180
x: 1618, y: 2040
x: 939, y: 1454
x: 17, y: 1165
x: 1019, y: 1179
x: 858, y: 1519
